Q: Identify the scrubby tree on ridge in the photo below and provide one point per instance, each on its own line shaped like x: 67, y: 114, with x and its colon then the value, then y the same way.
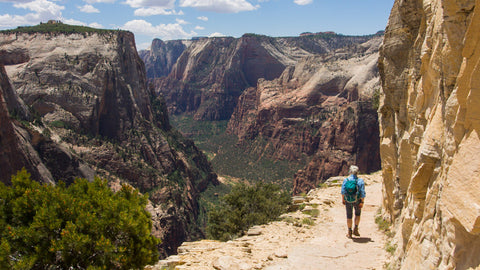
x: 83, y: 226
x: 244, y: 207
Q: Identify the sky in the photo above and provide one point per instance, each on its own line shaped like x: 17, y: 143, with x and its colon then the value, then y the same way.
x: 184, y: 19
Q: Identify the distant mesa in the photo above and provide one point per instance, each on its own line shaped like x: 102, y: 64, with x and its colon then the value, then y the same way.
x: 57, y: 26
x: 305, y: 34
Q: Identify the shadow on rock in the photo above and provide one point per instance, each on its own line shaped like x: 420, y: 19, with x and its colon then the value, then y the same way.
x: 362, y: 240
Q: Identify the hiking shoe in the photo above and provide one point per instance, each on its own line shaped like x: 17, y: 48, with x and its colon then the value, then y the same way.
x: 355, y: 231
x: 349, y: 234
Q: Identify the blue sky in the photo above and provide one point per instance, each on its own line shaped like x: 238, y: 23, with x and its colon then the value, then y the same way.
x: 183, y: 19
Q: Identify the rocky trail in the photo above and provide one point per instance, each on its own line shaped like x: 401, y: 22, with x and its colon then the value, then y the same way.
x: 299, y: 241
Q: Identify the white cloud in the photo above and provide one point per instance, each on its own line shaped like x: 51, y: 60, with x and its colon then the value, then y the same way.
x: 216, y: 34
x: 303, y: 2
x: 15, y: 1
x: 43, y: 11
x: 203, y: 18
x: 96, y: 25
x: 74, y: 22
x: 221, y: 6
x: 99, y: 1
x: 144, y: 46
x: 199, y: 27
x: 180, y: 21
x: 41, y: 7
x: 89, y: 9
x: 155, y: 11
x: 166, y: 4
x: 163, y: 31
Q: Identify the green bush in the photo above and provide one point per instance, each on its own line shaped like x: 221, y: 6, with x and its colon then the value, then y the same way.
x: 244, y: 207
x: 83, y: 226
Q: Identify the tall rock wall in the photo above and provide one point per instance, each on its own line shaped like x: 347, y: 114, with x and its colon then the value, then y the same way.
x: 429, y: 128
x: 161, y: 56
x: 91, y: 111
x: 321, y: 110
x: 211, y: 73
x: 15, y: 154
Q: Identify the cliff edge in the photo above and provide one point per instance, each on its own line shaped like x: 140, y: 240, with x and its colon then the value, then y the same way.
x: 90, y: 110
x: 429, y: 128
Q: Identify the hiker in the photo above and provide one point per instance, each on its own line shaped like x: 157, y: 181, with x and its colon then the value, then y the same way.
x: 353, y: 197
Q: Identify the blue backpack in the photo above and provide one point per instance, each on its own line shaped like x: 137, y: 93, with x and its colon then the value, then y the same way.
x: 351, y: 190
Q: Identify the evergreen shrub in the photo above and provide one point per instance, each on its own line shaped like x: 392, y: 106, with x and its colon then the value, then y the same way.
x: 246, y: 206
x: 83, y: 226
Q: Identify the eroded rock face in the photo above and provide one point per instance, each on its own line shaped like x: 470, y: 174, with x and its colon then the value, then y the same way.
x: 211, y: 74
x: 161, y: 56
x: 430, y: 132
x: 12, y: 154
x: 24, y: 147
x: 89, y: 91
x: 320, y: 108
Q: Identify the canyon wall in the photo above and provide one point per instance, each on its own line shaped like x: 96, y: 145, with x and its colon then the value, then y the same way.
x: 83, y: 109
x: 321, y: 109
x: 211, y: 73
x: 306, y: 100
x: 161, y: 56
x: 429, y: 128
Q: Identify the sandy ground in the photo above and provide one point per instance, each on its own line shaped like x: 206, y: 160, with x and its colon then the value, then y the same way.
x: 331, y: 249
x: 283, y: 245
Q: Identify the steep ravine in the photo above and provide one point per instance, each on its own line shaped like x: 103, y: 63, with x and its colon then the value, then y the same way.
x: 205, y: 77
x: 292, y: 103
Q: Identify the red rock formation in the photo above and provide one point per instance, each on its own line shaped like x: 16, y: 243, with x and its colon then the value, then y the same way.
x: 211, y: 73
x: 322, y: 109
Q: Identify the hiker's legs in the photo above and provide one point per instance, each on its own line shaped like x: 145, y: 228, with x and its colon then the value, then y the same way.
x: 349, y: 209
x: 357, y: 220
x: 358, y: 212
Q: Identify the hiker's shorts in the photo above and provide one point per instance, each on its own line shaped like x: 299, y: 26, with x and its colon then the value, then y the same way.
x: 350, y: 207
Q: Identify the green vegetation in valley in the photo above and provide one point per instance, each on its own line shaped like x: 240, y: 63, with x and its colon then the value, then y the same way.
x: 83, y: 226
x: 57, y: 27
x: 246, y: 206
x: 230, y: 159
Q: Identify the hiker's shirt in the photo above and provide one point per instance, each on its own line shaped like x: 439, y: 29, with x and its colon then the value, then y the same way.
x: 360, y: 185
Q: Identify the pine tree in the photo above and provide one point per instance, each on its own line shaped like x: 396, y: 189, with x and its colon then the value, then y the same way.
x: 83, y: 226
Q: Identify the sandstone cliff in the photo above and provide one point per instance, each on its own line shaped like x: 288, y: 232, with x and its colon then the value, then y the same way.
x: 212, y: 73
x: 430, y: 145
x: 88, y: 94
x: 161, y: 56
x: 322, y: 109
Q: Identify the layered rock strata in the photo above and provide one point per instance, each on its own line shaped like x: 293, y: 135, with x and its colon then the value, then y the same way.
x: 88, y: 96
x: 211, y: 73
x: 322, y: 109
x: 429, y: 127
x: 161, y: 56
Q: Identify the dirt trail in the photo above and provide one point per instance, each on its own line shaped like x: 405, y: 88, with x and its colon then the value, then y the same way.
x: 292, y: 244
x: 331, y: 249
